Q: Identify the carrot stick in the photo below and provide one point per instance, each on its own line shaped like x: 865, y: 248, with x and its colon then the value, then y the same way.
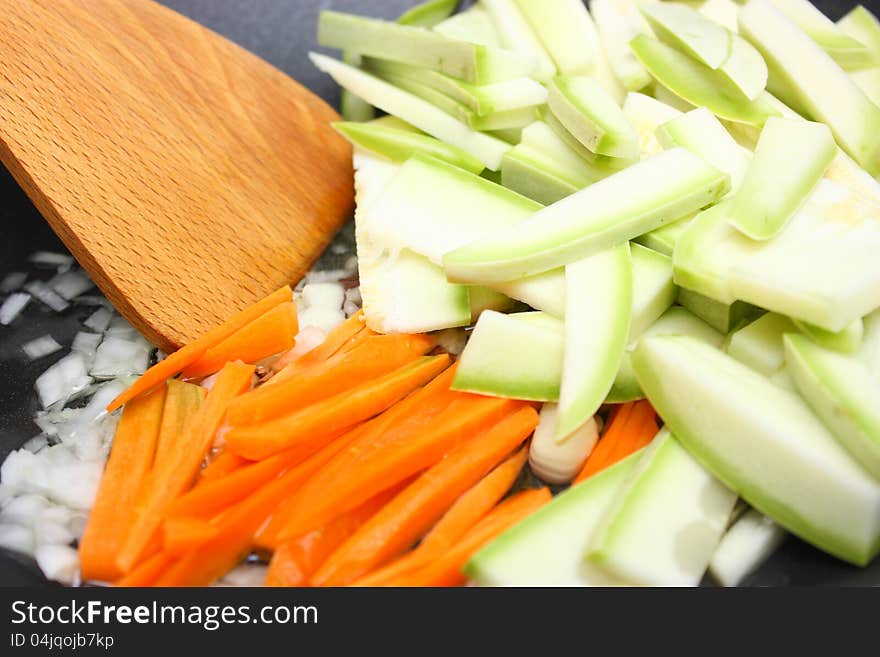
x: 182, y: 534
x: 335, y: 413
x: 403, y: 450
x: 237, y: 525
x: 223, y: 464
x: 267, y: 335
x: 294, y: 561
x: 447, y: 569
x: 183, y: 357
x: 623, y: 436
x: 148, y: 571
x: 406, y: 518
x: 377, y: 356
x: 287, y: 366
x: 181, y: 402
x: 467, y: 511
x: 130, y: 461
x: 181, y: 466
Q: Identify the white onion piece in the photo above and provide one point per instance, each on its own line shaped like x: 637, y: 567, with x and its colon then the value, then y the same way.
x: 36, y: 443
x: 50, y: 421
x: 17, y: 538
x: 351, y: 265
x: 353, y: 294
x: 46, y: 295
x: 50, y: 259
x: 58, y: 562
x: 71, y: 284
x: 23, y: 510
x: 65, y: 378
x: 52, y: 525
x: 247, y: 574
x: 7, y: 494
x: 307, y: 339
x: 350, y: 308
x: 119, y: 327
x: 74, y: 484
x: 117, y: 356
x: 13, y: 281
x: 328, y: 276
x: 325, y: 295
x: 13, y: 306
x: 99, y: 320
x: 24, y: 472
x: 86, y: 343
x: 40, y: 347
x: 320, y: 317
x: 452, y: 340
x: 92, y: 413
x: 77, y: 525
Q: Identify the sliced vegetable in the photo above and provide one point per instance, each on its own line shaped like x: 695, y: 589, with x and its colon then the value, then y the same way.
x: 334, y: 413
x: 336, y: 340
x: 473, y: 25
x: 812, y: 80
x: 598, y: 286
x: 559, y: 532
x: 428, y: 14
x: 699, y: 85
x: 646, y: 114
x: 759, y: 343
x: 667, y: 497
x: 723, y: 317
x: 744, y: 547
x: 351, y: 106
x: 495, y: 363
x: 618, y: 208
x: 190, y: 353
x: 842, y: 392
x: 410, y: 514
x: 413, y: 45
x: 110, y: 519
x: 818, y: 270
x: 847, y: 341
x: 688, y: 31
x: 764, y: 443
x: 517, y: 35
x: 182, y: 400
x: 776, y: 186
x: 618, y: 22
x: 566, y: 31
x: 413, y: 110
x: 592, y: 116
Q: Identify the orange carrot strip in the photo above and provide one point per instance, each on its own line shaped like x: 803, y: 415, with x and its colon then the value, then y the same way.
x: 147, y: 572
x: 617, y: 428
x: 406, y: 518
x: 130, y: 461
x: 294, y: 561
x: 223, y: 464
x: 171, y: 366
x: 375, y: 357
x: 181, y: 402
x: 337, y: 337
x: 164, y: 484
x: 404, y: 450
x: 237, y: 525
x: 335, y: 413
x: 269, y: 334
x: 446, y: 570
x: 182, y: 534
x: 467, y: 511
x: 641, y: 429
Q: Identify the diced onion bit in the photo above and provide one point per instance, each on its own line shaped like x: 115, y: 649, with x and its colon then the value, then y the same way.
x: 13, y: 281
x: 86, y: 343
x: 40, y: 347
x: 13, y: 306
x: 63, y: 379
x: 46, y: 295
x: 71, y: 284
x: 99, y: 320
x: 120, y: 356
x: 49, y: 259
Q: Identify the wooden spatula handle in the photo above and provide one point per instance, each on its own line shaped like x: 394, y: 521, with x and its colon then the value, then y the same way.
x: 188, y: 176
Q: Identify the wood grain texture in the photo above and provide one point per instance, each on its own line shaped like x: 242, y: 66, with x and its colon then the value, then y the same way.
x: 188, y: 176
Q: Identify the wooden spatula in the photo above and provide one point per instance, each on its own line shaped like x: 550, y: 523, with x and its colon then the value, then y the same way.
x: 187, y: 176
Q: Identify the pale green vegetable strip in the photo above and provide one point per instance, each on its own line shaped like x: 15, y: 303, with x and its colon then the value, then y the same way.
x: 690, y: 32
x: 517, y: 35
x: 746, y: 545
x: 352, y: 107
x: 618, y: 22
x: 428, y: 14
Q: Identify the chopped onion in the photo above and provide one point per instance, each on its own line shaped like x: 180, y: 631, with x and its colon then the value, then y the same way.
x: 49, y: 259
x: 17, y: 538
x: 93, y: 412
x: 49, y: 422
x: 247, y: 574
x: 452, y: 340
x: 99, y: 320
x: 58, y: 562
x: 36, y: 443
x: 351, y: 265
x: 74, y: 484
x: 328, y: 276
x: 6, y: 494
x: 23, y: 510
x: 71, y: 284
x: 40, y: 347
x: 13, y: 306
x: 86, y: 343
x: 350, y: 308
x: 353, y: 294
x: 47, y: 295
x: 325, y: 295
x: 120, y: 328
x: 24, y: 472
x: 63, y: 379
x: 13, y: 281
x: 320, y: 317
x: 52, y: 525
x: 118, y: 356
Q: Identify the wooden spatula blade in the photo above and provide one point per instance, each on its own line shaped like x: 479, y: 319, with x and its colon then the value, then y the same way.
x: 187, y: 176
